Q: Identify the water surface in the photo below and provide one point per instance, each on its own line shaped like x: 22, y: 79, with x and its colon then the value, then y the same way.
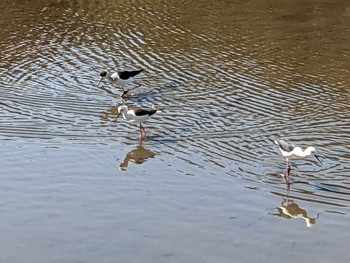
x: 205, y: 185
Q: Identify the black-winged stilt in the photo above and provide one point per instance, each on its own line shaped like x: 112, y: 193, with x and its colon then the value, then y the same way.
x: 291, y: 152
x: 120, y: 78
x: 136, y: 115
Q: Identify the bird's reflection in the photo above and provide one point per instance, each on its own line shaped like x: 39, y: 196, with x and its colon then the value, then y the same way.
x: 291, y: 210
x: 135, y: 92
x: 136, y: 156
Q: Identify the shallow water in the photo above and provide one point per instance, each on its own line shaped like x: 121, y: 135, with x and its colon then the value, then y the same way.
x: 205, y: 185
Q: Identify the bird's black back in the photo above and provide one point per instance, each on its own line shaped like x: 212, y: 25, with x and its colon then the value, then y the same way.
x: 287, y: 147
x: 129, y: 74
x: 144, y: 111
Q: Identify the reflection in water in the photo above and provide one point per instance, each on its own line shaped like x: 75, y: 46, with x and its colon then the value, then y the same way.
x: 227, y: 89
x: 139, y: 90
x: 136, y: 156
x: 289, y: 209
x: 229, y: 74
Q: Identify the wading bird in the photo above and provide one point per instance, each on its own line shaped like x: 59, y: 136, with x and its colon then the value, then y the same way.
x: 120, y: 78
x: 291, y: 152
x: 136, y: 115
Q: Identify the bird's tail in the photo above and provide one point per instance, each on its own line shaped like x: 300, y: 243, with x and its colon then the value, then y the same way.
x: 135, y: 72
x: 276, y: 140
x: 158, y: 109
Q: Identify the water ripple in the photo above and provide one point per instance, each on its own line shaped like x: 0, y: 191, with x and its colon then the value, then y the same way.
x: 224, y: 96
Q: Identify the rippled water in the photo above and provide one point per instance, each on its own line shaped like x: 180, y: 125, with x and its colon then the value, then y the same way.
x: 205, y: 185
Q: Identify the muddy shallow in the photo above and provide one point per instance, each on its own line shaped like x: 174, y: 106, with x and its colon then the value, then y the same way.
x: 205, y: 185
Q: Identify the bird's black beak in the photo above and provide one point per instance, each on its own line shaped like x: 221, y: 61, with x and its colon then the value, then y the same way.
x: 99, y: 82
x: 117, y: 117
x: 318, y: 159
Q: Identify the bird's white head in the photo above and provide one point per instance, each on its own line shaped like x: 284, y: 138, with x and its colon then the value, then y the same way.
x: 310, y: 151
x: 122, y: 108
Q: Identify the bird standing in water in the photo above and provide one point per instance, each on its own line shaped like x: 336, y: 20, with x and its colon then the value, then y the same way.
x: 136, y: 115
x: 120, y: 78
x: 291, y: 152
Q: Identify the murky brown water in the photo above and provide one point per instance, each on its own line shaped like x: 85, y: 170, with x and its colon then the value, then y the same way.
x: 205, y: 185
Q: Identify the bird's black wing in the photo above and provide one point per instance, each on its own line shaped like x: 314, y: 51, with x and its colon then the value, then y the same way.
x: 287, y: 147
x: 129, y: 74
x: 144, y: 111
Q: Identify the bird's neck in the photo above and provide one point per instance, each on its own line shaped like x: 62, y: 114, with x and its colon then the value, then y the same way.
x: 307, y: 152
x: 125, y: 114
x: 109, y: 77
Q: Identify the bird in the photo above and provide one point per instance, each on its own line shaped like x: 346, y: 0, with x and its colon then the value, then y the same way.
x: 137, y: 115
x: 291, y: 152
x: 120, y: 78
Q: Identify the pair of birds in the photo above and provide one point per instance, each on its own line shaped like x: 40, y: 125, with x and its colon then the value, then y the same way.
x: 135, y: 115
x: 140, y: 115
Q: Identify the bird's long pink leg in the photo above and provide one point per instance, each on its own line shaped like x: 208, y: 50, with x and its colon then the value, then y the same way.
x: 287, y: 173
x: 122, y: 86
x: 142, y: 131
x: 288, y: 168
x: 138, y: 85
